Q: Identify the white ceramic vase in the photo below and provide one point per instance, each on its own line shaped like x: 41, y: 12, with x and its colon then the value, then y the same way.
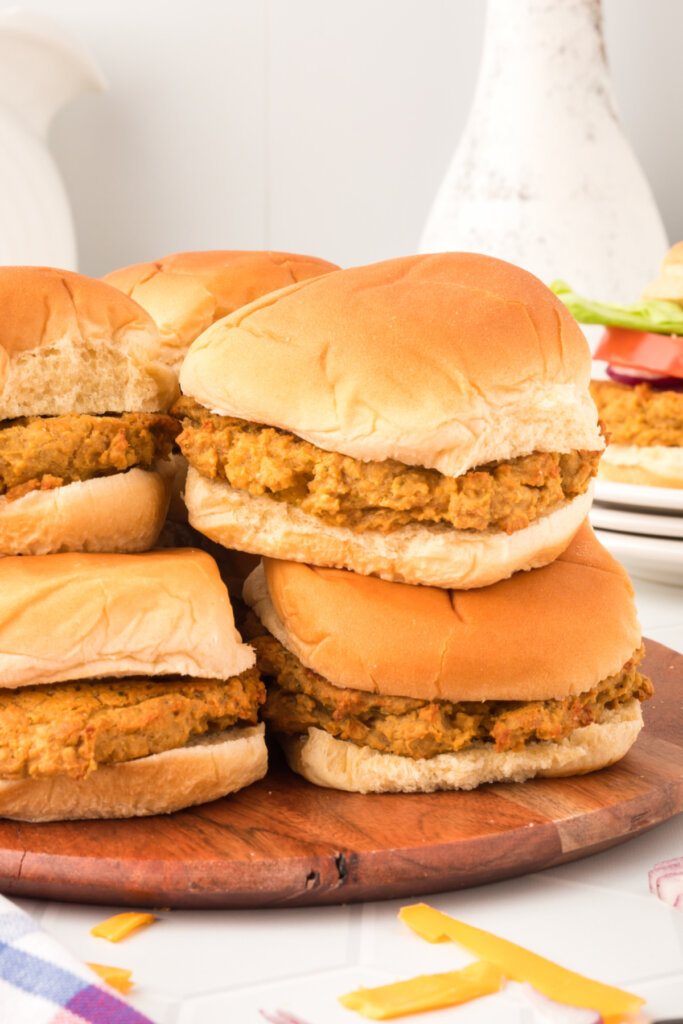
x: 544, y: 175
x: 41, y: 69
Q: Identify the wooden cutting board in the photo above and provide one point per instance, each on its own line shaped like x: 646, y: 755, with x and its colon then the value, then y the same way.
x: 284, y: 842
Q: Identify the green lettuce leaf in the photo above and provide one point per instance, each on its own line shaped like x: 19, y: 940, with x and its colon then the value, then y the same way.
x: 653, y: 315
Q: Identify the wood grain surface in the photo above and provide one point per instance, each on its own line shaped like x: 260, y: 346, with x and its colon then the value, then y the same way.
x: 284, y: 842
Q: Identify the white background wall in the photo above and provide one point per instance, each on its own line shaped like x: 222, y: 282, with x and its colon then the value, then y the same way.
x: 317, y: 126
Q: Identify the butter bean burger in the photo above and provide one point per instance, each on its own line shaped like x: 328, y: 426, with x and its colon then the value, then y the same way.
x: 84, y: 429
x: 375, y: 686
x: 426, y: 420
x: 125, y: 687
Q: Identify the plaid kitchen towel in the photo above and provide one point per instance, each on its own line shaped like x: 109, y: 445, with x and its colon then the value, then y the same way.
x: 41, y: 983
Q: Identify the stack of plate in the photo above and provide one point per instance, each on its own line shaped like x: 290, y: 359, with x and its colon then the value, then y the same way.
x: 642, y: 527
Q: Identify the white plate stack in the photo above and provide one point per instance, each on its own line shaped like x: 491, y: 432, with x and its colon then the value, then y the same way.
x: 642, y: 527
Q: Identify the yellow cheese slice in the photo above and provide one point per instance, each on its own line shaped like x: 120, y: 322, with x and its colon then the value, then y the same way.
x: 428, y: 992
x: 117, y: 977
x: 520, y: 964
x: 120, y: 925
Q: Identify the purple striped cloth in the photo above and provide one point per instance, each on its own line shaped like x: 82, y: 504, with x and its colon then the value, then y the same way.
x: 41, y: 983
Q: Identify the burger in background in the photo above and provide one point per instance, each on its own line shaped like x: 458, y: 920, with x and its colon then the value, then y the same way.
x: 381, y: 687
x: 426, y: 420
x: 640, y: 404
x: 125, y: 687
x: 84, y: 429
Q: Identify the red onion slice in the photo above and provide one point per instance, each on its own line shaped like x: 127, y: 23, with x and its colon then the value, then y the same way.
x: 666, y: 881
x: 559, y: 1013
x: 624, y: 375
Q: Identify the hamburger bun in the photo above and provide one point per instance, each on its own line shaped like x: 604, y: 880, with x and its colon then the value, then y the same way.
x: 545, y: 635
x: 337, y: 764
x: 187, y: 292
x: 72, y: 344
x: 206, y: 768
x: 123, y: 512
x: 448, y: 362
x: 434, y: 555
x: 652, y: 466
x: 87, y: 616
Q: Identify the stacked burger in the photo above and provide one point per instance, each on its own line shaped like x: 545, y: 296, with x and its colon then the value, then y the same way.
x: 411, y: 446
x: 125, y: 687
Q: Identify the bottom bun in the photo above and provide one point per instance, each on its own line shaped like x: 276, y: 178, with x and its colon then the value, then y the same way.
x: 433, y: 555
x: 654, y: 466
x: 340, y: 764
x: 123, y: 512
x: 206, y: 768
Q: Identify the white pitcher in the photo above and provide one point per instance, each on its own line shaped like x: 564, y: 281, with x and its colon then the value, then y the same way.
x: 41, y: 68
x: 544, y: 175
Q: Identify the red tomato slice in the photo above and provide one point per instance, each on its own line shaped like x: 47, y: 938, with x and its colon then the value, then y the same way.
x: 658, y: 353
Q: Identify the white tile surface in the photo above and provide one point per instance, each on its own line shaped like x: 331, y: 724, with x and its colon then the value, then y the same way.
x: 316, y: 1002
x: 560, y: 921
x: 188, y: 952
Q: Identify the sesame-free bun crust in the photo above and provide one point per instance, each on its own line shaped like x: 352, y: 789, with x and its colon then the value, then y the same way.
x: 123, y: 512
x: 80, y: 616
x: 446, y: 361
x: 340, y: 764
x: 186, y: 292
x: 206, y: 768
x: 653, y: 465
x: 70, y: 343
x: 669, y: 284
x: 434, y: 555
x: 540, y: 635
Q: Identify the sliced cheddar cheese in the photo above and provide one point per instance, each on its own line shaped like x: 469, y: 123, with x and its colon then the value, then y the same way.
x: 118, y: 977
x: 520, y: 964
x: 427, y: 992
x: 120, y: 925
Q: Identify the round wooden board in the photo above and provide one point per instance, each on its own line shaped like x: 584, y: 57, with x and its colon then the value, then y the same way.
x: 284, y: 842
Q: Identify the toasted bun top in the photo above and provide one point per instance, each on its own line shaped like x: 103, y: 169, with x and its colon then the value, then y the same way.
x: 541, y: 634
x: 446, y: 361
x: 75, y: 616
x: 187, y: 292
x: 70, y: 343
x: 669, y: 284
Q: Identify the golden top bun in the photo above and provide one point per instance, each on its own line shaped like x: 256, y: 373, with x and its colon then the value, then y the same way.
x: 80, y: 616
x: 70, y: 343
x: 185, y: 293
x: 669, y: 284
x: 446, y: 361
x: 206, y: 768
x: 539, y: 635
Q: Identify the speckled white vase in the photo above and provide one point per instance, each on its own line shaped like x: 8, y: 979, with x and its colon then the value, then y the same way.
x: 41, y: 69
x: 544, y: 175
